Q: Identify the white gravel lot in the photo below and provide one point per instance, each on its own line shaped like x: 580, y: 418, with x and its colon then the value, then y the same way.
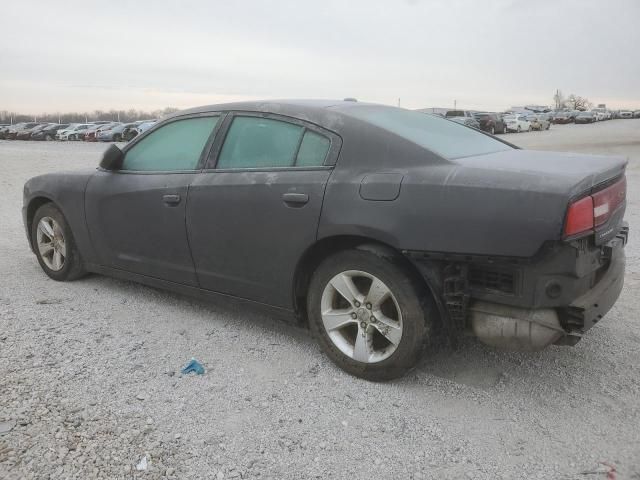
x: 90, y: 382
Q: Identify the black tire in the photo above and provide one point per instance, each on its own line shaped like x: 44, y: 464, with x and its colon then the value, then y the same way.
x: 117, y: 137
x: 519, y: 128
x: 72, y: 267
x: 414, y: 301
x: 71, y: 137
x: 48, y: 138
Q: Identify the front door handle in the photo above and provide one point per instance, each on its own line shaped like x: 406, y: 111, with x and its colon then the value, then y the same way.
x: 171, y: 199
x: 295, y: 198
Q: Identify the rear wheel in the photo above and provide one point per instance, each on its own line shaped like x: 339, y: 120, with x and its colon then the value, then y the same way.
x: 368, y: 314
x: 519, y: 128
x: 48, y: 138
x: 54, y: 244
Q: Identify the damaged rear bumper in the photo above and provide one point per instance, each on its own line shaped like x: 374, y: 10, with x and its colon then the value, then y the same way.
x: 569, y: 285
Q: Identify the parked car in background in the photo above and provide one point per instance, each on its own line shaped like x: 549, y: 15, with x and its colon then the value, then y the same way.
x: 130, y: 132
x: 49, y: 132
x: 636, y: 114
x: 573, y: 114
x: 626, y: 114
x: 534, y: 262
x: 586, y: 117
x: 459, y: 113
x: 89, y: 131
x: 562, y: 117
x: 468, y: 121
x: 25, y: 134
x: 599, y: 114
x: 144, y: 126
x: 3, y: 130
x: 12, y: 133
x: 539, y: 121
x: 490, y: 122
x: 92, y: 134
x: 114, y: 134
x: 517, y: 123
x: 72, y: 132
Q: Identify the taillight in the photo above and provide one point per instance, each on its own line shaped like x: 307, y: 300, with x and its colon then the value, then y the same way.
x: 596, y: 209
x: 607, y: 201
x: 579, y: 217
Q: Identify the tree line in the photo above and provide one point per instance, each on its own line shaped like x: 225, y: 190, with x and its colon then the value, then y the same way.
x: 572, y: 102
x: 130, y: 115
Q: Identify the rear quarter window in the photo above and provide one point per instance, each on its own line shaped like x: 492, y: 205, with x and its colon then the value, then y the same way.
x: 446, y: 138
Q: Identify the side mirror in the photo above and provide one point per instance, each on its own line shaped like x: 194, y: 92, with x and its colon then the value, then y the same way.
x: 112, y: 159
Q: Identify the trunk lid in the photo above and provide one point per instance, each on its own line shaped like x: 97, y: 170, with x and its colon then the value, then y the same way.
x: 574, y: 174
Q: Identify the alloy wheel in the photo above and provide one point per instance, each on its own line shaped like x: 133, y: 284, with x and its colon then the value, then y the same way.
x: 51, y: 244
x: 361, y: 316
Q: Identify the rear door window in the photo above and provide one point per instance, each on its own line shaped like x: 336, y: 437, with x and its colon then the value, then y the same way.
x: 256, y: 142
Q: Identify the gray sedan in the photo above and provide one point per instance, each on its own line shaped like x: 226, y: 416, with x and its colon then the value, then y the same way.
x: 382, y: 229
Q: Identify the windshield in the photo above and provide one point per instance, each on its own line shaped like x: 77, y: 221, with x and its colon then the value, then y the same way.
x: 448, y: 139
x: 455, y: 113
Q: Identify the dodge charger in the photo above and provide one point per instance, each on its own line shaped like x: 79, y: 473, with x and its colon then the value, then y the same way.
x: 382, y: 229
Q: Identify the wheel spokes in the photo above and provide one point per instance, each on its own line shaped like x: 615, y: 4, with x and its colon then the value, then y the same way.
x: 57, y: 259
x: 45, y: 248
x: 337, y: 319
x: 365, y: 327
x: 388, y: 328
x: 378, y: 293
x: 344, y: 285
x: 46, y: 229
x: 362, y: 349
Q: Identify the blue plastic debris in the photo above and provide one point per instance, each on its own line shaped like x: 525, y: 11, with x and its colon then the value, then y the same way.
x: 193, y: 366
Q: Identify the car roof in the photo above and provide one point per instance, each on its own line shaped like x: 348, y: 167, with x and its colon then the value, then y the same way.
x: 330, y: 114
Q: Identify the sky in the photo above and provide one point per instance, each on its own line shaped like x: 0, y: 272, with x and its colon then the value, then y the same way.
x: 67, y: 55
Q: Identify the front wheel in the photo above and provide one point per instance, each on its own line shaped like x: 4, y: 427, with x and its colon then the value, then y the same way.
x: 54, y: 245
x: 368, y: 314
x: 519, y: 128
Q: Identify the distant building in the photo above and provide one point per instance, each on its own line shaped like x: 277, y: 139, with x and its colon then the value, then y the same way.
x: 441, y: 111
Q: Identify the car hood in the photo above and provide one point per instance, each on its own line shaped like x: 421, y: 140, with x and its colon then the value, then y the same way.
x: 552, y: 172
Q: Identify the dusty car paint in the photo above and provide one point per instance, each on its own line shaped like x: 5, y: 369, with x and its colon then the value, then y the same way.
x: 235, y: 233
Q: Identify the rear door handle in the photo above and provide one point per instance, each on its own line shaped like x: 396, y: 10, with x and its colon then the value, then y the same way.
x: 171, y: 199
x: 295, y: 198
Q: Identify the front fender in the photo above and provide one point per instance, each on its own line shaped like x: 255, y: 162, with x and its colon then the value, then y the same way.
x: 66, y: 190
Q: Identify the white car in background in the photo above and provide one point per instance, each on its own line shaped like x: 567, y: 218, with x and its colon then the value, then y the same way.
x: 517, y: 123
x: 144, y: 126
x: 626, y: 114
x: 599, y: 113
x: 71, y: 132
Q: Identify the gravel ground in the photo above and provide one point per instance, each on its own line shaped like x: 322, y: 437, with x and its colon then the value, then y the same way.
x: 90, y: 382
